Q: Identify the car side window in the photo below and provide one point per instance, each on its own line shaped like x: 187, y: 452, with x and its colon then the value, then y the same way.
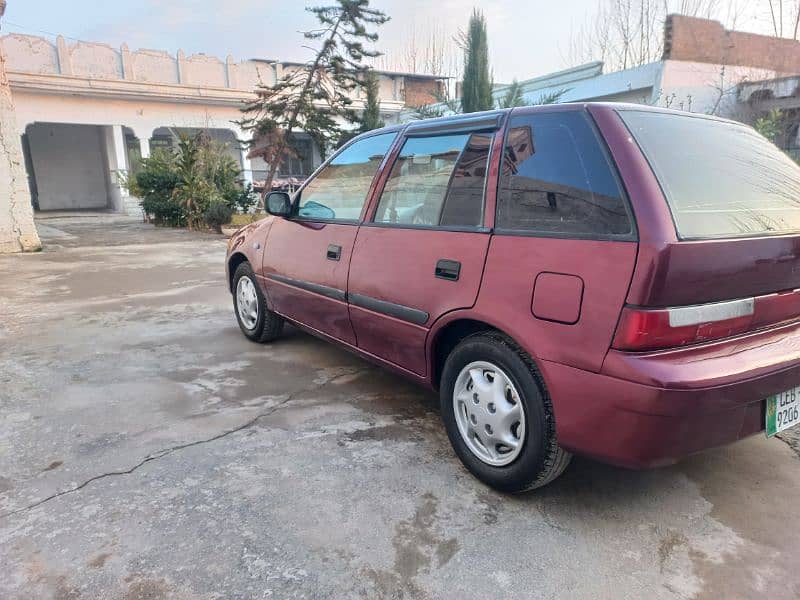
x: 339, y: 191
x: 437, y: 181
x: 557, y: 179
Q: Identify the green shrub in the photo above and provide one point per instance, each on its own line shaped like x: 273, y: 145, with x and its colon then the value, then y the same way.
x: 155, y: 185
x: 164, y: 211
x: 771, y: 125
x: 194, y: 191
x: 241, y: 199
x: 218, y: 214
x: 178, y: 187
x: 218, y: 167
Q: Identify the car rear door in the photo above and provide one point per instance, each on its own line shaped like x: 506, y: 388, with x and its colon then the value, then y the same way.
x: 307, y: 256
x: 420, y: 252
x: 564, y: 245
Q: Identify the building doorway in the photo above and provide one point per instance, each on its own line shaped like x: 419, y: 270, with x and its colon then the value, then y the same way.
x: 66, y: 166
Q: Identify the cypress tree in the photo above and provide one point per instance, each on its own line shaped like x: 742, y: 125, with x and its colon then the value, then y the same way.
x: 371, y: 119
x: 477, y: 90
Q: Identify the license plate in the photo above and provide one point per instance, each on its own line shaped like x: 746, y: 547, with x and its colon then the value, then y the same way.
x: 783, y: 411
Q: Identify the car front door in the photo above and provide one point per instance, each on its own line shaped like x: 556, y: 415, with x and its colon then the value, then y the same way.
x: 307, y: 256
x: 420, y: 253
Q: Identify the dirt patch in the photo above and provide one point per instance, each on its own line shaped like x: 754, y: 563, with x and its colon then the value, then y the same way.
x: 99, y: 561
x: 417, y: 540
x: 792, y: 437
x: 394, y: 432
x: 419, y: 546
x: 146, y: 589
x: 668, y: 544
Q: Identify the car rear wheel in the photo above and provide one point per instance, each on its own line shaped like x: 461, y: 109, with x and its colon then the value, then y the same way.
x: 256, y: 321
x: 498, y: 414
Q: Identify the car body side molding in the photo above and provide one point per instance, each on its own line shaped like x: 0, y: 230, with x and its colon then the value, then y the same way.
x: 322, y: 290
x: 398, y: 311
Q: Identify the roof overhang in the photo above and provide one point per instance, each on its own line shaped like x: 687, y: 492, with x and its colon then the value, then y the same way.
x: 120, y: 89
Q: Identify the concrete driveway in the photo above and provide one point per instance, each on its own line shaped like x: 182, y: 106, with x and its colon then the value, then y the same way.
x: 147, y: 450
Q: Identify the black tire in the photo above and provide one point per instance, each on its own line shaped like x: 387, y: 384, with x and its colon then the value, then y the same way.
x: 541, y: 460
x: 268, y: 325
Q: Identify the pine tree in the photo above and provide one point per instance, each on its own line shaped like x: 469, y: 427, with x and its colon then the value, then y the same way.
x: 371, y: 119
x: 477, y: 86
x: 315, y: 97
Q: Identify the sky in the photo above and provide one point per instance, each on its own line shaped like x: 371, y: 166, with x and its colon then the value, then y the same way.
x: 527, y: 37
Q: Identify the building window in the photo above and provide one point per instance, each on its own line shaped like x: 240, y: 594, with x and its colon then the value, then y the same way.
x: 300, y: 160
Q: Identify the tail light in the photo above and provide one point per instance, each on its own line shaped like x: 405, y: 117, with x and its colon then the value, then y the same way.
x: 652, y: 329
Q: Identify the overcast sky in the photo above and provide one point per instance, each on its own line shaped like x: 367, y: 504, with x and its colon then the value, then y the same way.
x: 526, y: 37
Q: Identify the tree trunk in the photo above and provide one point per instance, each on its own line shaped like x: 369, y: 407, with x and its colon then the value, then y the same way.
x: 17, y: 230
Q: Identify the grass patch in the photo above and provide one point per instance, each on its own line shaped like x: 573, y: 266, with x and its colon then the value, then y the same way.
x: 241, y: 220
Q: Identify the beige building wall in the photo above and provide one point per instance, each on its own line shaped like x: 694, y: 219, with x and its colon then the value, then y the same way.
x: 704, y: 87
x: 91, y: 91
x: 17, y: 231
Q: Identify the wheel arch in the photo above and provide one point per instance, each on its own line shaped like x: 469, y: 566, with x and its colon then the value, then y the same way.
x: 446, y: 334
x: 234, y: 260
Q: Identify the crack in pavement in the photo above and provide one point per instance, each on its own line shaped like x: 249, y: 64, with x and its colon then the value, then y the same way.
x: 171, y: 449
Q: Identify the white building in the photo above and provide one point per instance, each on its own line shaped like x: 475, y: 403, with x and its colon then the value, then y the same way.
x: 704, y: 69
x: 86, y: 112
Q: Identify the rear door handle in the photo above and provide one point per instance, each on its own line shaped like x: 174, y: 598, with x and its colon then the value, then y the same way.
x: 334, y: 252
x: 448, y: 269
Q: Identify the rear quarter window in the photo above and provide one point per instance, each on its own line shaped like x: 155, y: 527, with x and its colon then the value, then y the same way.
x: 557, y: 179
x: 720, y: 179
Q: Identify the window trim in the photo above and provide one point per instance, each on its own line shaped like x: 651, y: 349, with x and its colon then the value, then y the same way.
x: 294, y: 216
x: 632, y: 236
x: 599, y: 237
x: 450, y: 228
x: 299, y: 219
x: 440, y: 131
x: 454, y: 125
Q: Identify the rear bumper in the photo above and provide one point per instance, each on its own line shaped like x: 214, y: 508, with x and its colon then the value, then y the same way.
x: 650, y: 410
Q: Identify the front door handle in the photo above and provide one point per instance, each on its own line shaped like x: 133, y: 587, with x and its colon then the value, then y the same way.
x: 334, y: 252
x: 448, y: 269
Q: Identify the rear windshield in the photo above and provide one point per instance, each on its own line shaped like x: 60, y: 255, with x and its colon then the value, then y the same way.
x: 720, y: 179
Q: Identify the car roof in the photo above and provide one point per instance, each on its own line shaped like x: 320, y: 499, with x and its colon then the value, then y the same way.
x: 493, y: 117
x: 658, y: 109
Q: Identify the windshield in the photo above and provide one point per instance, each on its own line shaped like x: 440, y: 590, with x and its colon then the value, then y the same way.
x: 720, y: 179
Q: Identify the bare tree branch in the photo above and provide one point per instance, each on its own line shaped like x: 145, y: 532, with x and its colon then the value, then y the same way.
x: 629, y: 33
x: 796, y: 19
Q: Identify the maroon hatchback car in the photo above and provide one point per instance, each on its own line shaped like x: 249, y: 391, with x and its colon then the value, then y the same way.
x: 610, y: 280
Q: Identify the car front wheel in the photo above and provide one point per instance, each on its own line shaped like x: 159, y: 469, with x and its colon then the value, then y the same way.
x: 498, y: 415
x: 256, y: 321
